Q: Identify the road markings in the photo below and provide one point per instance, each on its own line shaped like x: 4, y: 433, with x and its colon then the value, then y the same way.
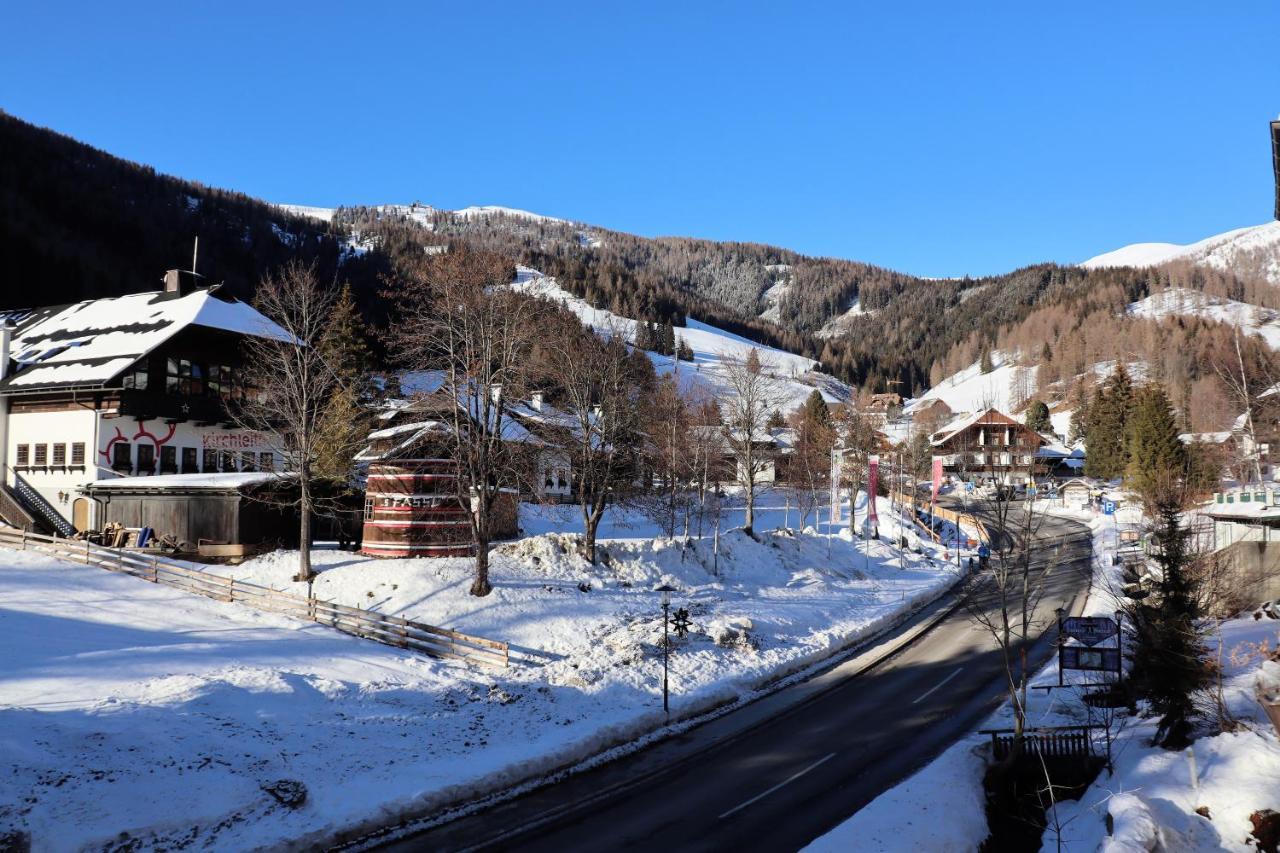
x: 786, y: 781
x: 926, y: 694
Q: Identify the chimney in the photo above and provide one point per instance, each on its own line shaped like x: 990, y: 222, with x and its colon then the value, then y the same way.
x: 181, y: 282
x: 6, y: 341
x: 535, y: 401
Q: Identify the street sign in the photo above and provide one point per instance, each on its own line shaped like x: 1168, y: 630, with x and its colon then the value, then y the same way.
x: 1108, y: 507
x: 1089, y: 630
x: 968, y: 487
x: 1090, y: 660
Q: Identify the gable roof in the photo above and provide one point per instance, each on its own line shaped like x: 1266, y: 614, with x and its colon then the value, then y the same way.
x: 992, y: 417
x: 89, y: 343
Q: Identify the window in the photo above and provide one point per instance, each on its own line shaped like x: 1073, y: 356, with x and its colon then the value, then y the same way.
x: 267, y: 461
x: 60, y: 456
x: 168, y: 460
x: 122, y: 456
x: 247, y: 459
x: 210, y: 461
x: 182, y: 376
x: 227, y: 461
x: 1004, y: 458
x: 24, y: 455
x: 190, y: 464
x: 136, y: 379
x: 146, y: 458
x: 77, y: 454
x: 42, y: 455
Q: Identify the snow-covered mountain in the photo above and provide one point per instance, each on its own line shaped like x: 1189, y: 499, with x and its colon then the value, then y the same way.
x: 421, y: 213
x: 1248, y: 252
x: 713, y: 349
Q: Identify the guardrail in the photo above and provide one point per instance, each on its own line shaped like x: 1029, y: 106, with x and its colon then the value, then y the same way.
x: 403, y: 633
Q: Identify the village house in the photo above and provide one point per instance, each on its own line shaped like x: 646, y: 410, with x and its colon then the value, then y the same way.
x: 134, y: 385
x: 990, y: 445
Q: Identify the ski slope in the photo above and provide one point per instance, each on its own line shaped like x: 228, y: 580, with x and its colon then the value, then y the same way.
x: 714, y: 350
x: 1250, y: 319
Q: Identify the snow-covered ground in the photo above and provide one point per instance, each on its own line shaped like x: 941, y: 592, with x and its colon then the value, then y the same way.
x: 971, y: 390
x: 713, y: 348
x: 1246, y: 251
x: 131, y: 708
x: 1151, y: 798
x: 1250, y: 319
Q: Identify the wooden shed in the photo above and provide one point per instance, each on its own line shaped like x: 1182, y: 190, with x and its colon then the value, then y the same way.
x: 222, y: 508
x: 1075, y: 492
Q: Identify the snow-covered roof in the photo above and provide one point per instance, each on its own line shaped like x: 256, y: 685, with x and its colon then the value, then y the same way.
x: 89, y: 343
x: 1220, y: 437
x: 986, y: 416
x: 228, y: 480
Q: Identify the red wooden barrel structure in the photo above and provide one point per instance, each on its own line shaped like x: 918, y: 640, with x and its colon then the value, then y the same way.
x: 412, y: 510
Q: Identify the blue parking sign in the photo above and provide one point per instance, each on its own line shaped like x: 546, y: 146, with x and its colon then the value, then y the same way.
x: 1108, y: 507
x: 968, y: 487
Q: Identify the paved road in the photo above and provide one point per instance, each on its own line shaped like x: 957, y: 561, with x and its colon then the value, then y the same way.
x: 814, y: 753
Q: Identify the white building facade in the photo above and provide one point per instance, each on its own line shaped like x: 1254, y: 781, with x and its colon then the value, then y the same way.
x: 127, y: 386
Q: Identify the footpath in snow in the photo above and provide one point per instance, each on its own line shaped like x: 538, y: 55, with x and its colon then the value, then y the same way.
x: 136, y: 714
x: 1151, y: 798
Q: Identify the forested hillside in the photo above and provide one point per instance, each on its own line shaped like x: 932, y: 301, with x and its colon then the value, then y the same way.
x: 76, y: 222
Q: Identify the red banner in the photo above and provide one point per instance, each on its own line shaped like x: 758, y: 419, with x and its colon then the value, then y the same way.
x: 937, y: 477
x: 873, y: 481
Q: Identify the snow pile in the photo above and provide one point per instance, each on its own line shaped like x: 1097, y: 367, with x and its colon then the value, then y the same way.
x: 1250, y: 319
x: 181, y: 721
x: 713, y: 350
x: 1254, y: 251
x: 941, y: 809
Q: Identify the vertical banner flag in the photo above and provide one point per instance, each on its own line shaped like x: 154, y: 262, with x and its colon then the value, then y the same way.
x: 834, y: 517
x: 873, y: 478
x: 937, y: 477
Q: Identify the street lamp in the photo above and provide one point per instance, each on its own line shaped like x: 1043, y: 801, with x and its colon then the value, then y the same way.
x: 666, y: 590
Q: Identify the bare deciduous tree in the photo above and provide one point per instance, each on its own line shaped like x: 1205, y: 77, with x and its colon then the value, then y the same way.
x: 292, y: 385
x: 602, y: 398
x: 1010, y: 589
x: 455, y: 316
x: 752, y: 395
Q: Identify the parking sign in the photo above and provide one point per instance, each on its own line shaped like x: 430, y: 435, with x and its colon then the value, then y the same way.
x: 1108, y: 507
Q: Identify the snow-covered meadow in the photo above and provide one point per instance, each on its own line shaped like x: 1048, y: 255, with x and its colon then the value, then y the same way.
x: 136, y: 709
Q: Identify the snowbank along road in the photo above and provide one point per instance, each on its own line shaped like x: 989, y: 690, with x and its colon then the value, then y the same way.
x: 780, y: 772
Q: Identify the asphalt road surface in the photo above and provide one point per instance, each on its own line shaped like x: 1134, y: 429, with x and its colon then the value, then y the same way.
x: 810, y: 755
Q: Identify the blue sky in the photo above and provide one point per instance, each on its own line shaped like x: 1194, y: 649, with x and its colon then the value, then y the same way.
x: 935, y: 138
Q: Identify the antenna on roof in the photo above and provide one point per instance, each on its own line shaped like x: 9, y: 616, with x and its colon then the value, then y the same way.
x: 195, y: 253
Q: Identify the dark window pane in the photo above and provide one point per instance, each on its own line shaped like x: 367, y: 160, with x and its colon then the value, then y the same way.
x: 24, y: 454
x: 122, y: 456
x: 168, y: 460
x: 42, y: 454
x: 146, y: 458
x: 267, y: 461
x: 210, y: 461
x: 189, y: 462
x: 77, y: 453
x: 60, y: 454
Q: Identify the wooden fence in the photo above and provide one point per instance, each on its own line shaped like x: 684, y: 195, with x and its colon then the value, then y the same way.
x: 1050, y: 742
x: 379, y: 627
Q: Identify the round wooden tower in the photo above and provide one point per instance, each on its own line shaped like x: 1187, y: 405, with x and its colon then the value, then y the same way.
x: 412, y: 510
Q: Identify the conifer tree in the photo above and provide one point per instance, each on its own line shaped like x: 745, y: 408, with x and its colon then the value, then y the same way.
x: 345, y: 422
x: 684, y: 351
x: 984, y: 363
x: 1153, y: 444
x: 1038, y: 416
x: 815, y: 409
x: 667, y: 346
